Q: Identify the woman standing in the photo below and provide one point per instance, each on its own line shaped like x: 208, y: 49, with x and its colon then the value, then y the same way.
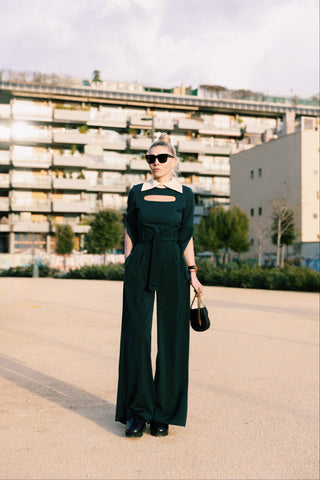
x: 159, y: 258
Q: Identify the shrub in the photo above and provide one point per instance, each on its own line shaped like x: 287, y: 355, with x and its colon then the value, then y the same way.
x: 112, y: 271
x: 26, y: 271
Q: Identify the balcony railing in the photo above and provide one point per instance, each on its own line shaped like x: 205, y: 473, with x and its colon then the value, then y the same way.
x: 190, y: 124
x: 32, y: 112
x: 4, y: 180
x: 108, y: 187
x: 105, y: 120
x: 70, y: 184
x: 4, y: 204
x: 99, y: 163
x: 4, y: 157
x: 42, y: 182
x: 5, y: 111
x: 31, y: 227
x: 34, y: 205
x: 39, y: 135
x: 142, y: 143
x: 36, y: 160
x: 71, y: 115
x: 197, y: 146
x: 205, y: 189
x: 139, y: 165
x: 71, y: 136
x: 71, y: 206
x: 70, y: 161
x: 227, y: 132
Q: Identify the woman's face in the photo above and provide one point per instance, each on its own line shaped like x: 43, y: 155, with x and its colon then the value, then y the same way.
x: 162, y: 171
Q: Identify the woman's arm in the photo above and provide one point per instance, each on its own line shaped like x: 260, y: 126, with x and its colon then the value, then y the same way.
x: 127, y: 245
x: 190, y: 260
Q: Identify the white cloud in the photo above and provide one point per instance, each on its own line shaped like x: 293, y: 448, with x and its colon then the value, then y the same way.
x: 267, y: 45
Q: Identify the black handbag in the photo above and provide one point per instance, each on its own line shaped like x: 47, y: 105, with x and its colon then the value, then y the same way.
x: 199, y: 316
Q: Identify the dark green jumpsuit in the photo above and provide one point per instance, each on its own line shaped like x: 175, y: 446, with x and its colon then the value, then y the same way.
x: 160, y: 232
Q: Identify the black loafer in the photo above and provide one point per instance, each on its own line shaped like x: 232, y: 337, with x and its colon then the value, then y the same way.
x: 159, y: 429
x: 135, y: 426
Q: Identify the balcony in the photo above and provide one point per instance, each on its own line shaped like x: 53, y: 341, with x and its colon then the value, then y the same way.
x: 4, y: 157
x: 30, y: 134
x: 206, y: 189
x: 31, y: 227
x: 71, y: 206
x: 30, y: 111
x: 225, y: 132
x: 197, y: 146
x: 5, y: 111
x: 4, y: 204
x: 4, y: 227
x: 33, y: 160
x: 76, y: 228
x: 61, y: 114
x: 4, y: 180
x: 142, y: 143
x: 190, y: 124
x: 138, y: 164
x: 70, y: 184
x: 26, y: 205
x: 71, y: 160
x: 107, y: 187
x: 70, y: 136
x: 40, y: 182
x: 105, y: 119
x: 163, y: 123
x: 100, y: 163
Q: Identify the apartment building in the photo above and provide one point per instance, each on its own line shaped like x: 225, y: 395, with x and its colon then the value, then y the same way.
x: 69, y: 148
x: 286, y: 168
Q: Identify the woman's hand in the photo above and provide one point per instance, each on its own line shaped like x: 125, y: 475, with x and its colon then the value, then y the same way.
x: 195, y: 282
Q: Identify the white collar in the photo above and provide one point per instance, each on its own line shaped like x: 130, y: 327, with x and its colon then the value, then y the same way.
x: 173, y: 184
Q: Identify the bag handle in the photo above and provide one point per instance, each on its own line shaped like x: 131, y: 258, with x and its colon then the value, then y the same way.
x: 198, y: 296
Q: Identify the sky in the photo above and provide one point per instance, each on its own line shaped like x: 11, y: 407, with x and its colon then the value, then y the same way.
x: 269, y: 46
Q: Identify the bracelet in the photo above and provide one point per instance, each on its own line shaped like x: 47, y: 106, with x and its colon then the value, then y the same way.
x: 193, y: 268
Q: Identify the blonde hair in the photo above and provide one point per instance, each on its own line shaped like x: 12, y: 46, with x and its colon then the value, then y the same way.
x: 164, y: 140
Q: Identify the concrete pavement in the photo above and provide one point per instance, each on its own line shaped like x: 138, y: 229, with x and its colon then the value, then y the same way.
x: 253, y: 397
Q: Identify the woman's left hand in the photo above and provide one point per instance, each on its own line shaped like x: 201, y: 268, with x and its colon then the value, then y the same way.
x: 195, y: 282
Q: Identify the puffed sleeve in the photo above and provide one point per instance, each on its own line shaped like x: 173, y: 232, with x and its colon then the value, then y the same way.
x: 186, y: 229
x: 131, y: 217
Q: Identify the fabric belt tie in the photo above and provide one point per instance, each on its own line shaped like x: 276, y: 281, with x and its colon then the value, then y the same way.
x: 157, y: 241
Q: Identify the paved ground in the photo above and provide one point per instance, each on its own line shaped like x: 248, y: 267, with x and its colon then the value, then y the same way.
x: 253, y: 403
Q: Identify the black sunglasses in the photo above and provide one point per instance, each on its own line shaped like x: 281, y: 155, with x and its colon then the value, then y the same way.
x: 162, y: 157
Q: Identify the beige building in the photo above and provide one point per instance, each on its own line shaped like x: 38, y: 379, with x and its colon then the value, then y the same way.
x: 70, y: 147
x: 289, y: 167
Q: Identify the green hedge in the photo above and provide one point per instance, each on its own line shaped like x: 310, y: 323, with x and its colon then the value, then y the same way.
x: 112, y: 271
x: 244, y: 276
x: 241, y: 276
x: 43, y: 271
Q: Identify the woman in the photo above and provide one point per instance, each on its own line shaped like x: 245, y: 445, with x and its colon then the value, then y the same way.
x: 159, y: 258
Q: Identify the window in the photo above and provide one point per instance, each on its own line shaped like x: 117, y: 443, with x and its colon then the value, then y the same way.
x: 252, y: 212
x: 260, y: 211
x: 252, y: 174
x: 252, y: 241
x: 260, y: 172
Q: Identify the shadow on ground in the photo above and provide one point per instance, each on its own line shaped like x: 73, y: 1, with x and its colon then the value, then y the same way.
x: 67, y: 396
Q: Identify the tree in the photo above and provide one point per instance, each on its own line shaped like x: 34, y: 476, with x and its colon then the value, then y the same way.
x: 64, y: 235
x: 226, y: 229
x: 96, y: 76
x: 106, y: 231
x: 283, y: 228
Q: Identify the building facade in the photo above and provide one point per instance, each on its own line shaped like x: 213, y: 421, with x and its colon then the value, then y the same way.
x: 286, y: 169
x: 69, y: 148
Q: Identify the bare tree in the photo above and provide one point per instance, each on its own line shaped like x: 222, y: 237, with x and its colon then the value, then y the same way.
x: 284, y: 224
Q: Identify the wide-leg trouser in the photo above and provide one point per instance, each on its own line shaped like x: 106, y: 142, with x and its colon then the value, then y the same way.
x: 164, y: 397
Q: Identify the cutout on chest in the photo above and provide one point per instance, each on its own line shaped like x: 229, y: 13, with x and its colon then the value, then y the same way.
x: 160, y: 198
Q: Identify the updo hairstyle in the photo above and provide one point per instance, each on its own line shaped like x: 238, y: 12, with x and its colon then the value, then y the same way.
x: 165, y: 141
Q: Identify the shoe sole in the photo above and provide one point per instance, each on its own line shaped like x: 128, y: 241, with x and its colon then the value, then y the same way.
x: 134, y: 434
x: 159, y: 434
